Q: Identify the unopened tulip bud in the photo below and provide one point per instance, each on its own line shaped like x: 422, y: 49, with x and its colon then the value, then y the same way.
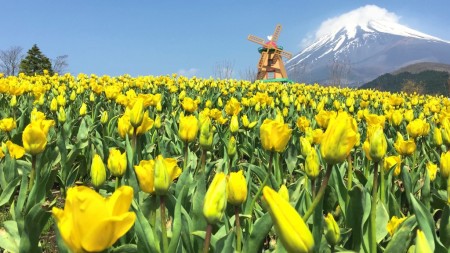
x: 231, y: 147
x: 104, y: 117
x: 137, y: 113
x: 54, y: 105
x: 378, y: 145
x: 117, y: 162
x: 234, y: 124
x: 290, y: 227
x: 332, y: 231
x: 237, y: 188
x: 216, y: 199
x: 83, y: 109
x: 312, y: 164
x: 206, y: 134
x: 98, y: 171
x: 445, y: 164
x: 61, y: 115
x: 158, y: 122
x: 13, y: 101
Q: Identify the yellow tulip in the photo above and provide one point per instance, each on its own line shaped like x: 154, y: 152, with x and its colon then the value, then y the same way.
x: 373, y: 119
x: 158, y: 121
x: 104, y: 117
x: 274, y: 135
x: 422, y: 245
x: 445, y: 164
x: 98, y: 171
x: 237, y: 188
x: 432, y: 170
x: 339, y: 139
x: 378, y: 144
x: 234, y: 124
x: 117, y: 162
x: 189, y: 104
x: 302, y: 123
x: 137, y: 113
x: 317, y: 135
x: 54, y: 105
x: 232, y: 107
x: 437, y: 136
x: 166, y: 170
x: 312, y: 164
x: 7, y: 124
x: 145, y: 173
x: 34, y: 137
x: 332, y: 230
x: 146, y: 124
x: 290, y: 227
x: 61, y: 115
x: 188, y: 128
x: 91, y: 223
x: 393, y: 162
x: 404, y: 147
x: 323, y: 118
x: 216, y: 199
x: 397, y: 117
x: 124, y: 126
x: 14, y: 150
x: 417, y: 128
x: 393, y: 224
x: 13, y: 101
x: 83, y: 109
x: 284, y: 192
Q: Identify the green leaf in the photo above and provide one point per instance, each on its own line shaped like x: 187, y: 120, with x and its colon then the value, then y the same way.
x: 358, y: 209
x: 402, y: 237
x: 177, y: 222
x: 144, y: 232
x: 9, y: 237
x: 337, y: 183
x: 426, y: 224
x: 127, y: 248
x: 261, y: 229
x: 382, y: 220
x: 8, y: 191
x: 34, y: 222
x: 444, y: 230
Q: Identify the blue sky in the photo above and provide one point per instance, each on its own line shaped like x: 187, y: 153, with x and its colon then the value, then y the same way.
x: 189, y: 37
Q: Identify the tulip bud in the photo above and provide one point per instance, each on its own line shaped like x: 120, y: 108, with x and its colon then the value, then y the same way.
x: 312, y: 164
x: 392, y: 162
x: 231, y: 147
x: 206, y: 134
x: 216, y: 199
x: 54, y: 105
x: 137, y: 113
x: 332, y: 231
x: 92, y: 97
x: 73, y: 96
x: 237, y: 188
x: 234, y: 124
x: 162, y: 179
x: 378, y: 145
x: 219, y: 102
x: 339, y: 139
x: 305, y: 146
x: 7, y: 124
x: 290, y: 227
x: 98, y: 171
x: 284, y: 192
x: 274, y: 135
x: 188, y: 128
x: 432, y: 170
x: 62, y: 115
x: 13, y: 101
x: 422, y: 245
x: 117, y: 162
x: 83, y: 109
x: 158, y: 122
x: 104, y: 117
x: 437, y: 136
x: 445, y: 164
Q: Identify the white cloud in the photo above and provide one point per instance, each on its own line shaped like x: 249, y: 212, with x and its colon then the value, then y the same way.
x: 360, y: 16
x: 187, y: 72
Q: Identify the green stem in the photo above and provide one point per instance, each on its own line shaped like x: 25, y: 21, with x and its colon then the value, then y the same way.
x: 258, y: 193
x: 203, y: 162
x: 313, y: 188
x: 238, y: 229
x: 349, y: 179
x: 373, y: 210
x: 382, y: 186
x: 186, y: 152
x: 319, y: 194
x: 207, y: 238
x: 33, y: 172
x: 117, y: 183
x: 162, y: 207
x: 134, y: 140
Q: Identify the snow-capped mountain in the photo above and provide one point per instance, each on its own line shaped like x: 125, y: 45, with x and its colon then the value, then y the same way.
x: 356, y: 48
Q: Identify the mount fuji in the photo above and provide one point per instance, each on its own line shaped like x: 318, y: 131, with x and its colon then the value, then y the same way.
x: 361, y: 45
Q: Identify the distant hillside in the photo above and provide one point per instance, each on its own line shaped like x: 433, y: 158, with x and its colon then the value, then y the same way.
x: 423, y: 66
x: 425, y: 82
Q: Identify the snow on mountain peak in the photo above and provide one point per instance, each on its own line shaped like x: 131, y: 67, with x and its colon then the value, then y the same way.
x: 369, y: 18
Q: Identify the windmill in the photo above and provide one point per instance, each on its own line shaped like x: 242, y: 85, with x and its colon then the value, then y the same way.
x: 270, y: 65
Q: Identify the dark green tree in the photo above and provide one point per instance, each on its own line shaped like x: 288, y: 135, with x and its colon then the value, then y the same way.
x: 35, y: 62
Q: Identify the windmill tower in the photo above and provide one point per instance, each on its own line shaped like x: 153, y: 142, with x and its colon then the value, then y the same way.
x: 270, y: 65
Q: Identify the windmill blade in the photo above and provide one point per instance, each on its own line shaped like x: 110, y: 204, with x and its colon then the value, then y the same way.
x: 286, y: 55
x: 256, y: 39
x: 276, y: 33
x: 263, y: 60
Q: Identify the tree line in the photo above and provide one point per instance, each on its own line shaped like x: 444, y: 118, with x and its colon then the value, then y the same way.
x: 13, y: 62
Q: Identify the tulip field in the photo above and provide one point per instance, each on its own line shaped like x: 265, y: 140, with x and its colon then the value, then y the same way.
x: 173, y: 164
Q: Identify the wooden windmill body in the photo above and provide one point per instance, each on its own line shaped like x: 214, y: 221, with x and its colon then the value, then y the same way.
x: 270, y: 65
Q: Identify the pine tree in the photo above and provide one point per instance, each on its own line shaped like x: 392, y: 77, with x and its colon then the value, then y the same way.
x: 35, y: 62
